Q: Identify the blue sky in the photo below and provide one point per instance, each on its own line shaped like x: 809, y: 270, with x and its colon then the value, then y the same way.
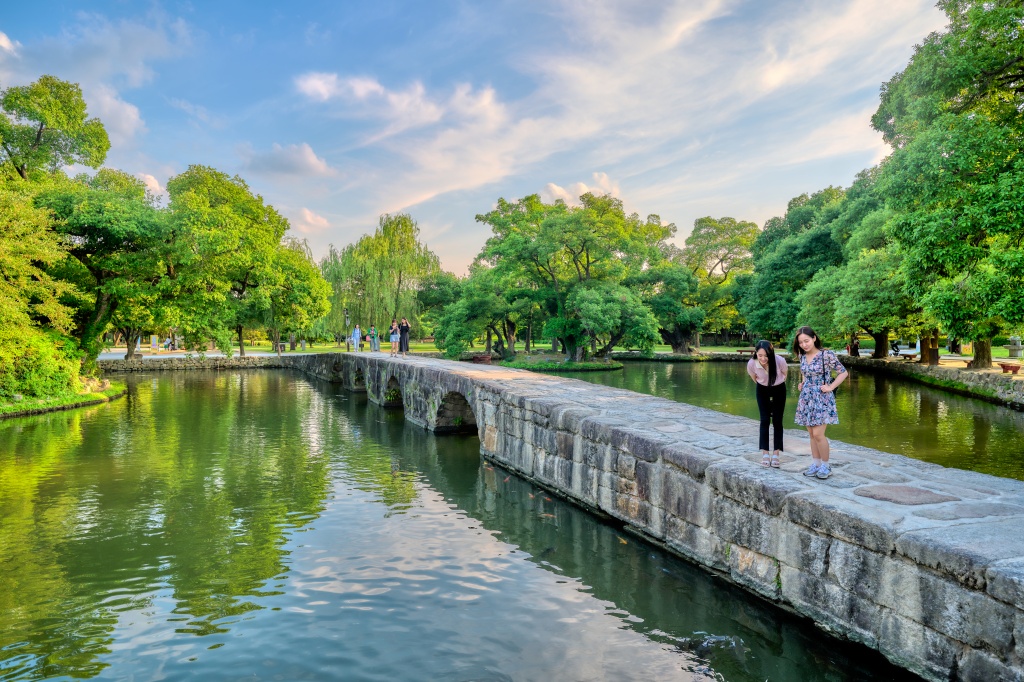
x: 337, y: 112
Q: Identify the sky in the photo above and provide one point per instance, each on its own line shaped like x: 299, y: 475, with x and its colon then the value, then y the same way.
x: 338, y: 112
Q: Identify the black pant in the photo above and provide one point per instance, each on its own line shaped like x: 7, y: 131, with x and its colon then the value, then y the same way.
x: 771, y: 402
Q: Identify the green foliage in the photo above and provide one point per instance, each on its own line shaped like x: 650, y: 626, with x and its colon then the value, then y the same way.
x: 44, y: 126
x: 377, y: 278
x: 956, y: 178
x: 37, y: 364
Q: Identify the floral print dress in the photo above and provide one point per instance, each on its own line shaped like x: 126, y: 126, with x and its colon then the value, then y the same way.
x: 814, y: 407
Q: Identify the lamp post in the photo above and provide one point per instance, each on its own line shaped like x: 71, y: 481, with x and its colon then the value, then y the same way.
x: 348, y: 333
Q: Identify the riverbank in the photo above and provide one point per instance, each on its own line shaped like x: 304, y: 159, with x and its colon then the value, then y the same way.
x: 30, y: 406
x: 951, y: 374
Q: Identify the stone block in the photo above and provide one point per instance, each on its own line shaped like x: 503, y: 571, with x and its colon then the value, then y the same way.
x: 759, y: 487
x: 757, y: 571
x: 649, y: 481
x: 686, y: 499
x: 625, y: 466
x: 599, y: 429
x: 839, y: 517
x: 964, y: 551
x: 917, y: 648
x: 804, y: 550
x: 838, y: 610
x: 980, y: 666
x: 1005, y: 580
x: 693, y: 460
x: 695, y: 543
x: 640, y: 444
x: 741, y: 525
x: 564, y: 445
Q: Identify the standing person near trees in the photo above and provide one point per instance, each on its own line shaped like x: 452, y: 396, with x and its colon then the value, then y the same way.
x: 816, y: 407
x: 371, y: 336
x: 395, y: 337
x: 357, y: 338
x: 403, y: 330
x: 768, y: 371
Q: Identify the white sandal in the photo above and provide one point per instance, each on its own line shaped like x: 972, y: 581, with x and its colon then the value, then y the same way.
x: 776, y: 462
x: 766, y: 459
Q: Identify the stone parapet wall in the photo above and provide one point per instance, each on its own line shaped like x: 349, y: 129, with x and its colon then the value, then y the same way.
x: 992, y: 386
x: 193, y: 363
x: 923, y: 563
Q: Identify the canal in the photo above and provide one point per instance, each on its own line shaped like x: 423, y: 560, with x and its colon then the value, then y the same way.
x: 877, y: 411
x: 263, y: 525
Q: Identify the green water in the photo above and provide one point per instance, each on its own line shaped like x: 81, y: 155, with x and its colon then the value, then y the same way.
x: 876, y: 411
x: 264, y: 526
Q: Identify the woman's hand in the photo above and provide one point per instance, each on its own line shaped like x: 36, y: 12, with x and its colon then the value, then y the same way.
x: 800, y: 386
x: 827, y: 388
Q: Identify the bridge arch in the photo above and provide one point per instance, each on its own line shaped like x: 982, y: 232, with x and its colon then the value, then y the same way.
x: 454, y: 415
x: 391, y: 396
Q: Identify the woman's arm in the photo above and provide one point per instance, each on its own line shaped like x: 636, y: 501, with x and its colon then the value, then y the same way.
x: 782, y: 367
x: 833, y: 363
x: 751, y: 365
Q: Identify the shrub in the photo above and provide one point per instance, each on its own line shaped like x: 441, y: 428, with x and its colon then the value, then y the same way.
x: 35, y: 363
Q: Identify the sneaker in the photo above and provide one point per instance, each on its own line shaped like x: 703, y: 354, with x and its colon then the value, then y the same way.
x: 811, y: 470
x: 824, y: 471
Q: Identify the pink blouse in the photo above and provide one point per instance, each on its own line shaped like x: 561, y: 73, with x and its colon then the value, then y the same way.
x: 760, y: 374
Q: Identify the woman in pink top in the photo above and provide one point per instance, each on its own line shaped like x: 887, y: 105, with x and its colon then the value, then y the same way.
x: 768, y: 371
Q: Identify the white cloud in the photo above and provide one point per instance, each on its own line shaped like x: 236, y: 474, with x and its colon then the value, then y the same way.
x: 121, y: 119
x: 194, y: 110
x: 152, y: 184
x: 7, y: 45
x: 294, y: 160
x: 307, y: 222
x: 571, y: 195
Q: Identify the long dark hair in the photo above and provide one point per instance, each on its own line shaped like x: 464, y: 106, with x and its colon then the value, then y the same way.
x: 807, y: 331
x: 769, y: 350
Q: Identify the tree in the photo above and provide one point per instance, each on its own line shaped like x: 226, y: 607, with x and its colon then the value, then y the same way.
x: 297, y: 294
x: 116, y: 238
x: 716, y: 252
x: 376, y: 279
x: 44, y: 126
x: 955, y: 179
x: 225, y: 240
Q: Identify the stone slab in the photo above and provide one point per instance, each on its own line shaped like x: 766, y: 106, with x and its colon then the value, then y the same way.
x: 903, y: 494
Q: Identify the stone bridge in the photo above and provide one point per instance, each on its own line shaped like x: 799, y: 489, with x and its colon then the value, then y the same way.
x: 923, y: 563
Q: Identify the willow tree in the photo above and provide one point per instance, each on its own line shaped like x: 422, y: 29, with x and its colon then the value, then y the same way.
x: 376, y: 279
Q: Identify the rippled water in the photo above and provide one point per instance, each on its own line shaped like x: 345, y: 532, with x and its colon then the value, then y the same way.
x: 263, y: 526
x: 876, y: 411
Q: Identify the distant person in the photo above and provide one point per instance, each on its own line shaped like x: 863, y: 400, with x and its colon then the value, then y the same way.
x: 816, y: 407
x: 403, y: 337
x: 395, y: 337
x: 357, y: 338
x: 768, y: 371
x: 371, y: 336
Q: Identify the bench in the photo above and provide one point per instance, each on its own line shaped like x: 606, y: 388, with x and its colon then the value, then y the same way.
x: 1009, y: 367
x: 908, y: 356
x: 748, y: 351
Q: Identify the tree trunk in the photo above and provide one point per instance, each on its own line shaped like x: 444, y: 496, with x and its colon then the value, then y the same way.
x: 529, y: 334
x: 487, y: 347
x: 129, y: 345
x: 682, y: 344
x: 241, y: 342
x: 933, y: 348
x: 881, y: 344
x: 982, y: 354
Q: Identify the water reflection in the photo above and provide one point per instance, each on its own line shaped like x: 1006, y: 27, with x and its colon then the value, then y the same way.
x: 876, y: 411
x: 258, y: 526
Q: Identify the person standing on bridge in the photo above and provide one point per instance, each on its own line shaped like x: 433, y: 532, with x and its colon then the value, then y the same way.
x: 816, y: 407
x: 395, y: 337
x: 357, y: 338
x: 403, y: 330
x: 768, y: 371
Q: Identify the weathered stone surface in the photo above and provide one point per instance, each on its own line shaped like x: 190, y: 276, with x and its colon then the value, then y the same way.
x: 964, y: 551
x: 871, y: 527
x: 904, y: 494
x: 760, y: 487
x: 889, y: 551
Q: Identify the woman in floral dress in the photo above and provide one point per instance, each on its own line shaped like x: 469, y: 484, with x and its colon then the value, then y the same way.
x: 816, y: 407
